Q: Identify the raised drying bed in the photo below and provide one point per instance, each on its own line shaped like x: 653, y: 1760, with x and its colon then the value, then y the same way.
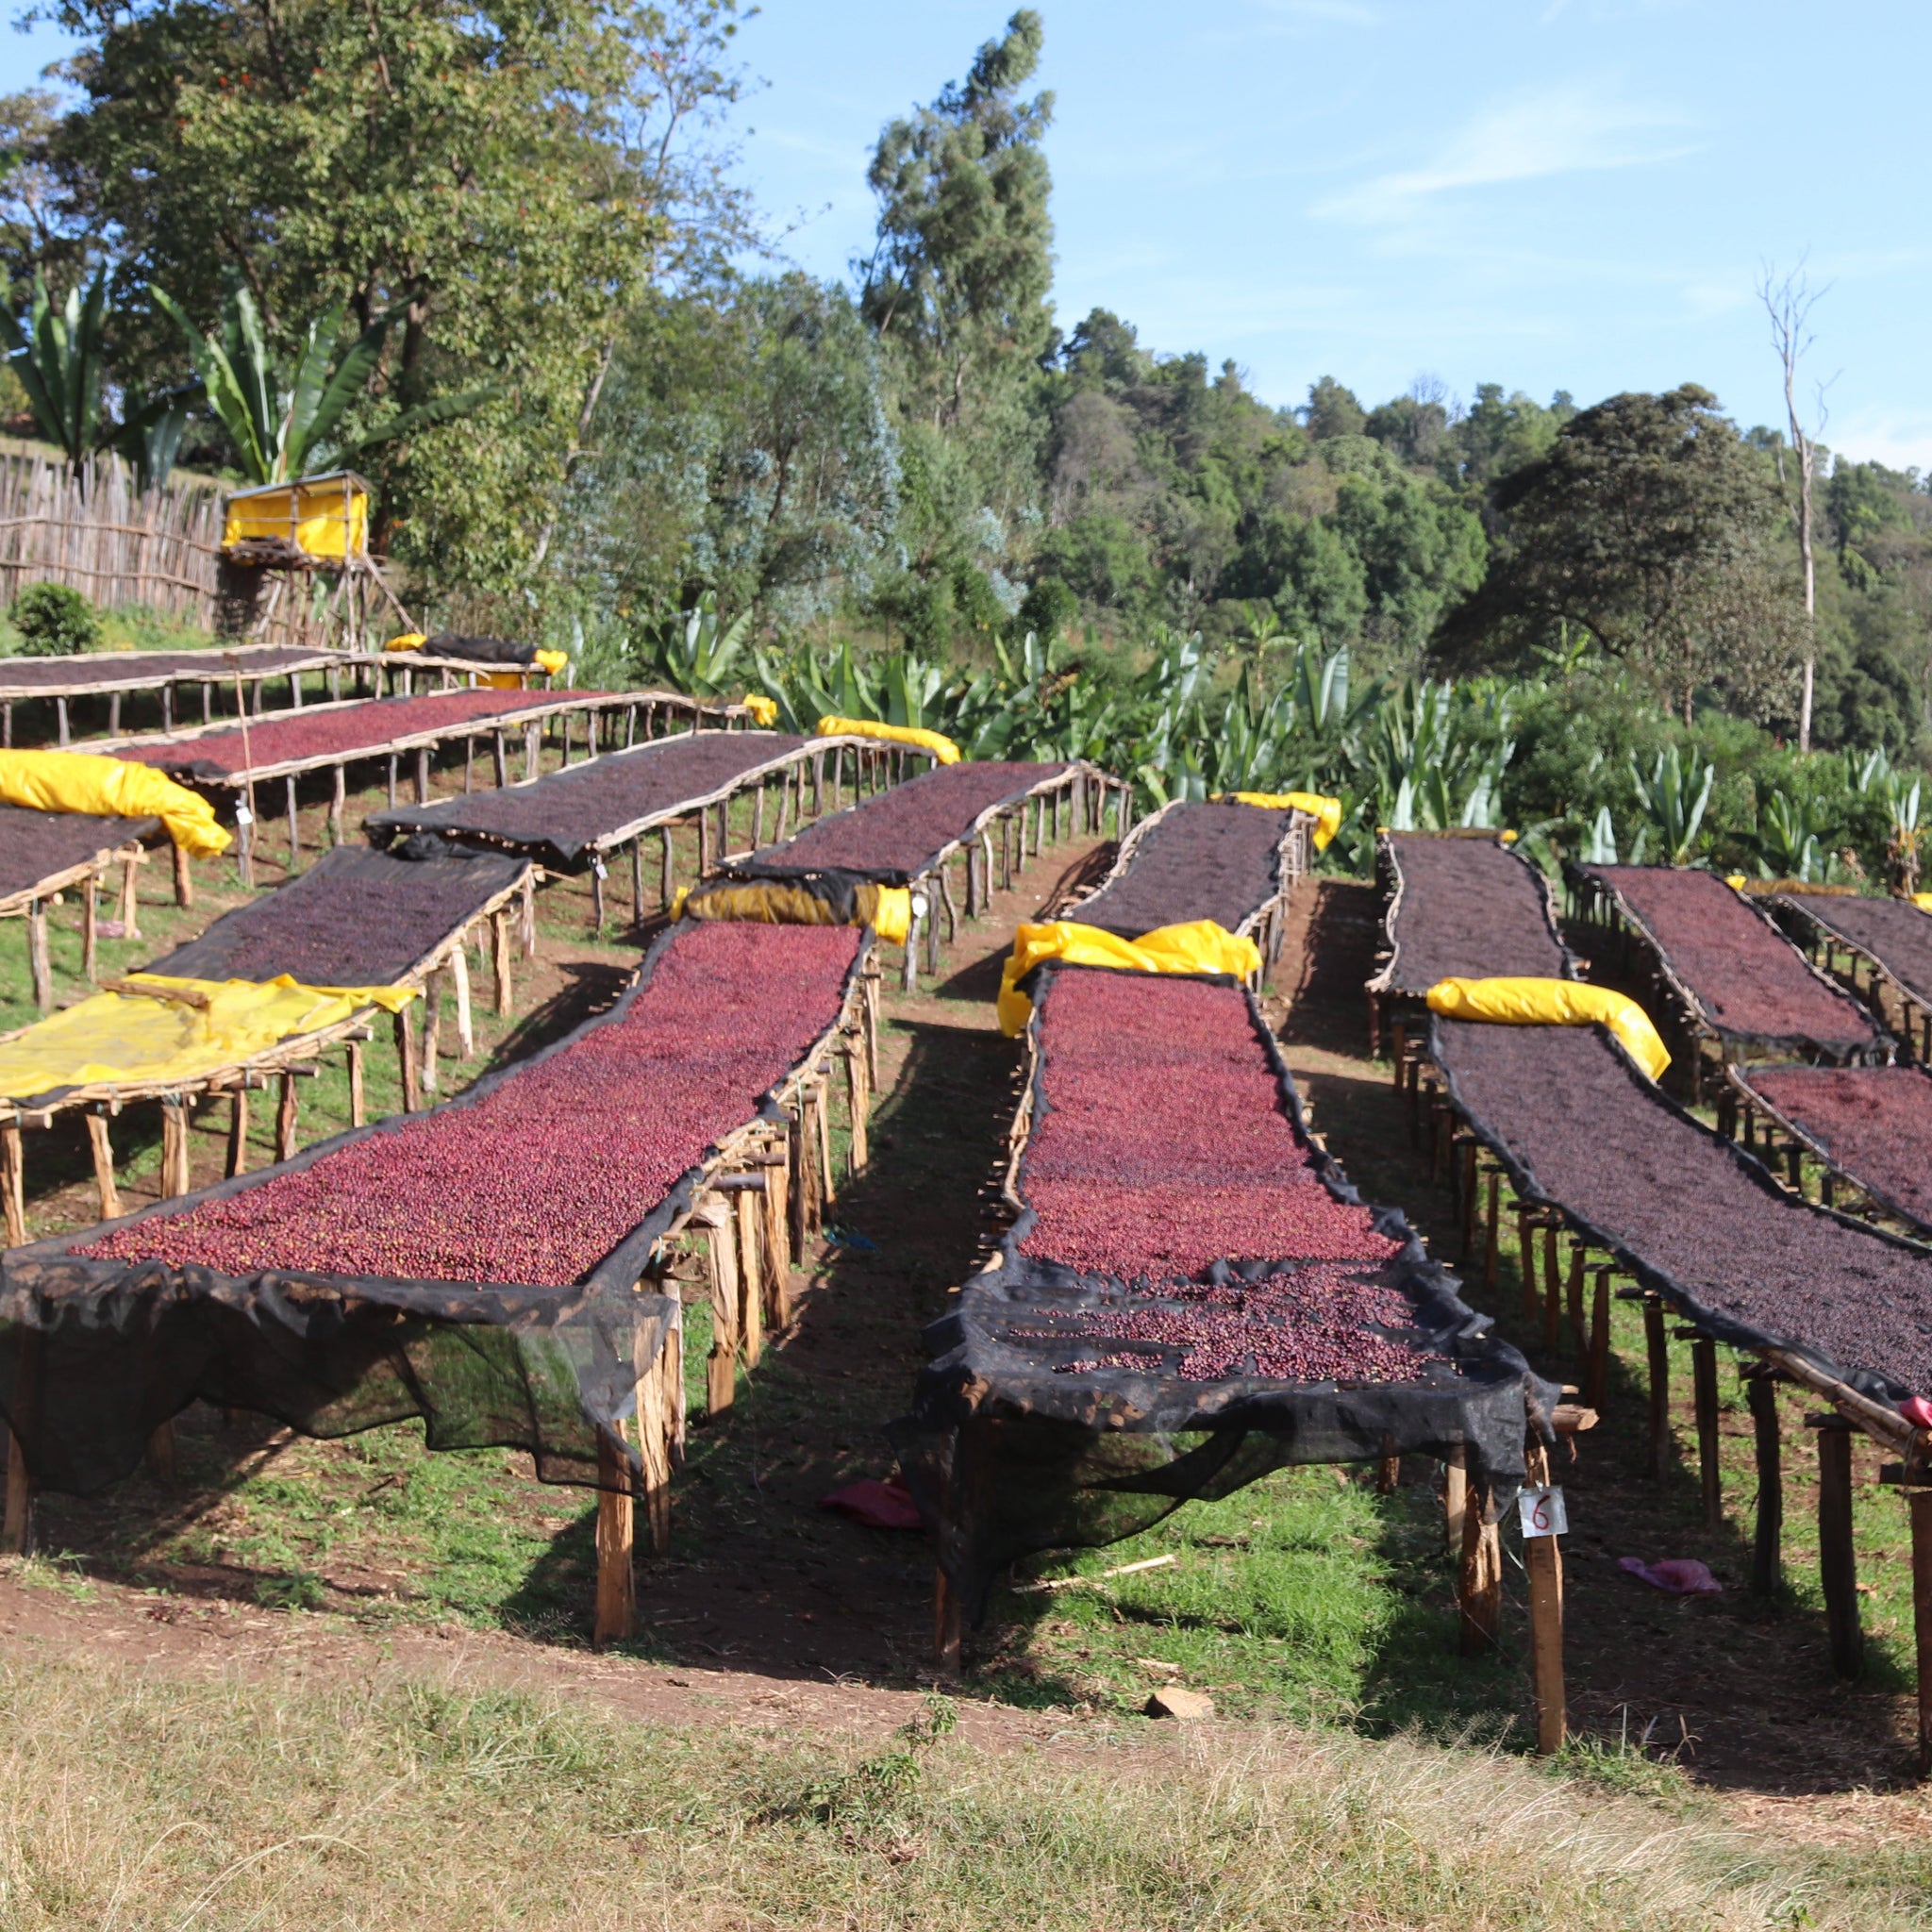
x: 1185, y: 1260
x: 1732, y: 977
x: 1888, y: 940
x: 42, y: 852
x: 482, y: 1265
x: 1235, y: 864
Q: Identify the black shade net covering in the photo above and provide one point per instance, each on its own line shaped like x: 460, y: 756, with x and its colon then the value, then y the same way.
x: 1894, y: 932
x: 133, y: 670
x: 1220, y: 861
x: 1464, y: 907
x: 354, y: 918
x: 475, y: 1265
x: 894, y: 837
x: 476, y: 650
x: 1693, y: 1216
x: 1871, y: 1124
x: 1749, y: 983
x: 561, y: 819
x: 36, y: 845
x: 1191, y: 1295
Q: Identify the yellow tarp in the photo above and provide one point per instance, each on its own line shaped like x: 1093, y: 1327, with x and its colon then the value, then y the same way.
x: 888, y: 910
x: 1199, y: 946
x: 117, y: 787
x: 324, y: 516
x: 410, y: 641
x: 941, y: 748
x: 764, y: 710
x: 1326, y: 812
x: 123, y: 1040
x: 1553, y: 1003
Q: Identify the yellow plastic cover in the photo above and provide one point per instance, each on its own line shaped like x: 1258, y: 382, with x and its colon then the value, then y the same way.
x: 888, y: 910
x: 941, y: 748
x: 1326, y: 812
x: 764, y: 710
x: 326, y: 517
x: 1198, y: 946
x: 410, y: 641
x: 1553, y: 1003
x: 116, y: 787
x: 123, y: 1040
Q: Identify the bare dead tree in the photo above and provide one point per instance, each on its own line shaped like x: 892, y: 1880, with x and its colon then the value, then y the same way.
x: 1788, y: 301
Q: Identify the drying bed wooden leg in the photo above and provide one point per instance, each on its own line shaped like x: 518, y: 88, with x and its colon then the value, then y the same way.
x: 460, y: 981
x: 1454, y: 1497
x: 1920, y: 1503
x: 38, y: 967
x: 500, y: 958
x: 1704, y: 1391
x: 102, y: 1150
x: 751, y: 1287
x: 130, y: 913
x: 1543, y: 1558
x: 1597, y: 1381
x: 1767, y: 1554
x: 14, y: 1529
x: 721, y: 1368
x: 285, y: 1118
x: 405, y: 1056
x: 778, y: 1245
x: 1492, y: 1233
x: 1838, y: 1565
x: 90, y: 928
x: 1658, y: 1351
x: 357, y: 1104
x: 1479, y: 1592
x: 237, y: 1132
x: 617, y: 1602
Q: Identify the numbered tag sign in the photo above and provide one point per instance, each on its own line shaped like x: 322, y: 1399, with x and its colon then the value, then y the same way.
x: 243, y: 816
x: 1541, y: 1512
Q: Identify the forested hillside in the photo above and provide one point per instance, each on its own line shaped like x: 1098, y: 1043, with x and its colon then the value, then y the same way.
x: 597, y: 403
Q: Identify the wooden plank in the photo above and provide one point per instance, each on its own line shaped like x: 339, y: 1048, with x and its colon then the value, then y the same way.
x: 616, y: 1613
x: 102, y: 1148
x: 749, y: 1230
x: 1542, y: 1559
x: 720, y: 1367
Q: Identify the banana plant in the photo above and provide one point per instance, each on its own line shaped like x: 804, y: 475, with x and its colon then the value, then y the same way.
x: 58, y: 356
x: 1906, y: 834
x: 696, y: 653
x: 1673, y: 799
x: 284, y: 431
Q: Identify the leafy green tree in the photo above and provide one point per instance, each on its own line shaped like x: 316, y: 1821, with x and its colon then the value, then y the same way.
x: 1654, y: 525
x: 960, y: 274
x: 500, y: 175
x: 1333, y: 411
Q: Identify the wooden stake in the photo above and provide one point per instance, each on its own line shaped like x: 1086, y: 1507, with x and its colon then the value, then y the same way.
x: 294, y: 828
x: 1703, y: 1393
x: 1579, y: 1333
x: 720, y: 1367
x: 337, y: 799
x: 858, y: 1105
x: 1525, y: 1243
x: 1454, y: 1496
x: 357, y: 1106
x: 12, y: 1182
x: 1596, y: 1380
x: 1543, y: 1558
x: 1552, y: 1288
x: 1479, y: 1595
x: 432, y: 1026
x: 530, y: 915
x: 1658, y: 1349
x: 102, y: 1150
x: 175, y: 1166
x: 460, y: 981
x: 751, y: 1288
x: 665, y: 868
x: 285, y: 1120
x: 1493, y: 1243
x: 1767, y: 1552
x: 500, y: 958
x: 616, y: 1618
x: 405, y: 1056
x: 1838, y: 1567
x: 777, y: 1270
x: 90, y: 924
x: 1920, y: 1503
x: 237, y: 1132
x: 637, y: 880
x: 184, y: 893
x: 38, y: 967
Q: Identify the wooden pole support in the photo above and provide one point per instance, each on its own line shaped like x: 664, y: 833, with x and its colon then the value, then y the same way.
x: 1552, y: 1288
x: 1657, y: 1350
x: 1920, y: 1503
x: 858, y: 1105
x: 1543, y: 1558
x: 500, y: 960
x: 1704, y: 1392
x: 460, y: 982
x: 749, y: 1215
x: 778, y: 1269
x: 617, y: 1598
x: 1454, y: 1497
x: 1490, y: 1252
x: 1525, y: 1250
x: 1838, y: 1566
x: 1596, y: 1378
x: 102, y: 1150
x: 1479, y: 1588
x: 15, y: 1533
x: 130, y: 905
x: 358, y: 1103
x: 237, y: 1132
x: 1767, y: 1552
x: 285, y: 1118
x: 432, y: 1027
x: 90, y: 928
x: 720, y: 1367
x: 37, y: 968
x: 13, y: 1183
x: 405, y: 1056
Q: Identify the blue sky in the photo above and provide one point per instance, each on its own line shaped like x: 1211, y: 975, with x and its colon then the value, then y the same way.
x: 1546, y: 194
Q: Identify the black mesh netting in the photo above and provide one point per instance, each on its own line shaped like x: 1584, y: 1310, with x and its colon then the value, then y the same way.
x: 1468, y: 908
x: 474, y: 1265
x: 1693, y: 1216
x: 109, y: 671
x: 1220, y: 861
x: 36, y: 845
x: 479, y: 650
x: 1192, y: 1295
x: 1748, y: 982
x: 895, y: 836
x: 1894, y: 932
x: 560, y: 818
x: 354, y: 918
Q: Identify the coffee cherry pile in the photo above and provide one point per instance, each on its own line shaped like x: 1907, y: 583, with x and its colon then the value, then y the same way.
x: 1875, y: 1122
x: 1320, y: 1323
x: 897, y: 834
x: 1468, y: 906
x: 1164, y: 1147
x: 1745, y: 975
x: 1201, y: 861
x: 534, y: 1184
x: 356, y: 731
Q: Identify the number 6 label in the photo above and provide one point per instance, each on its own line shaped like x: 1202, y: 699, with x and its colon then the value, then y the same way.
x: 1541, y: 1512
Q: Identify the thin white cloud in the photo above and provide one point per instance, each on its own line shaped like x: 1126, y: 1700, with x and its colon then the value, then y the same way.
x: 1900, y: 441
x: 1560, y: 131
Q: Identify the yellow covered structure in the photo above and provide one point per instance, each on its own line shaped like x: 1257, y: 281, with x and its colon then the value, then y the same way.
x: 326, y: 518
x: 130, y: 1040
x: 942, y: 747
x: 1198, y: 946
x: 114, y: 787
x: 888, y: 910
x: 1524, y: 1002
x: 1326, y: 812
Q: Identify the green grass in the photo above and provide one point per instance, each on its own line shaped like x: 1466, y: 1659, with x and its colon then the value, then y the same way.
x: 136, y: 1801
